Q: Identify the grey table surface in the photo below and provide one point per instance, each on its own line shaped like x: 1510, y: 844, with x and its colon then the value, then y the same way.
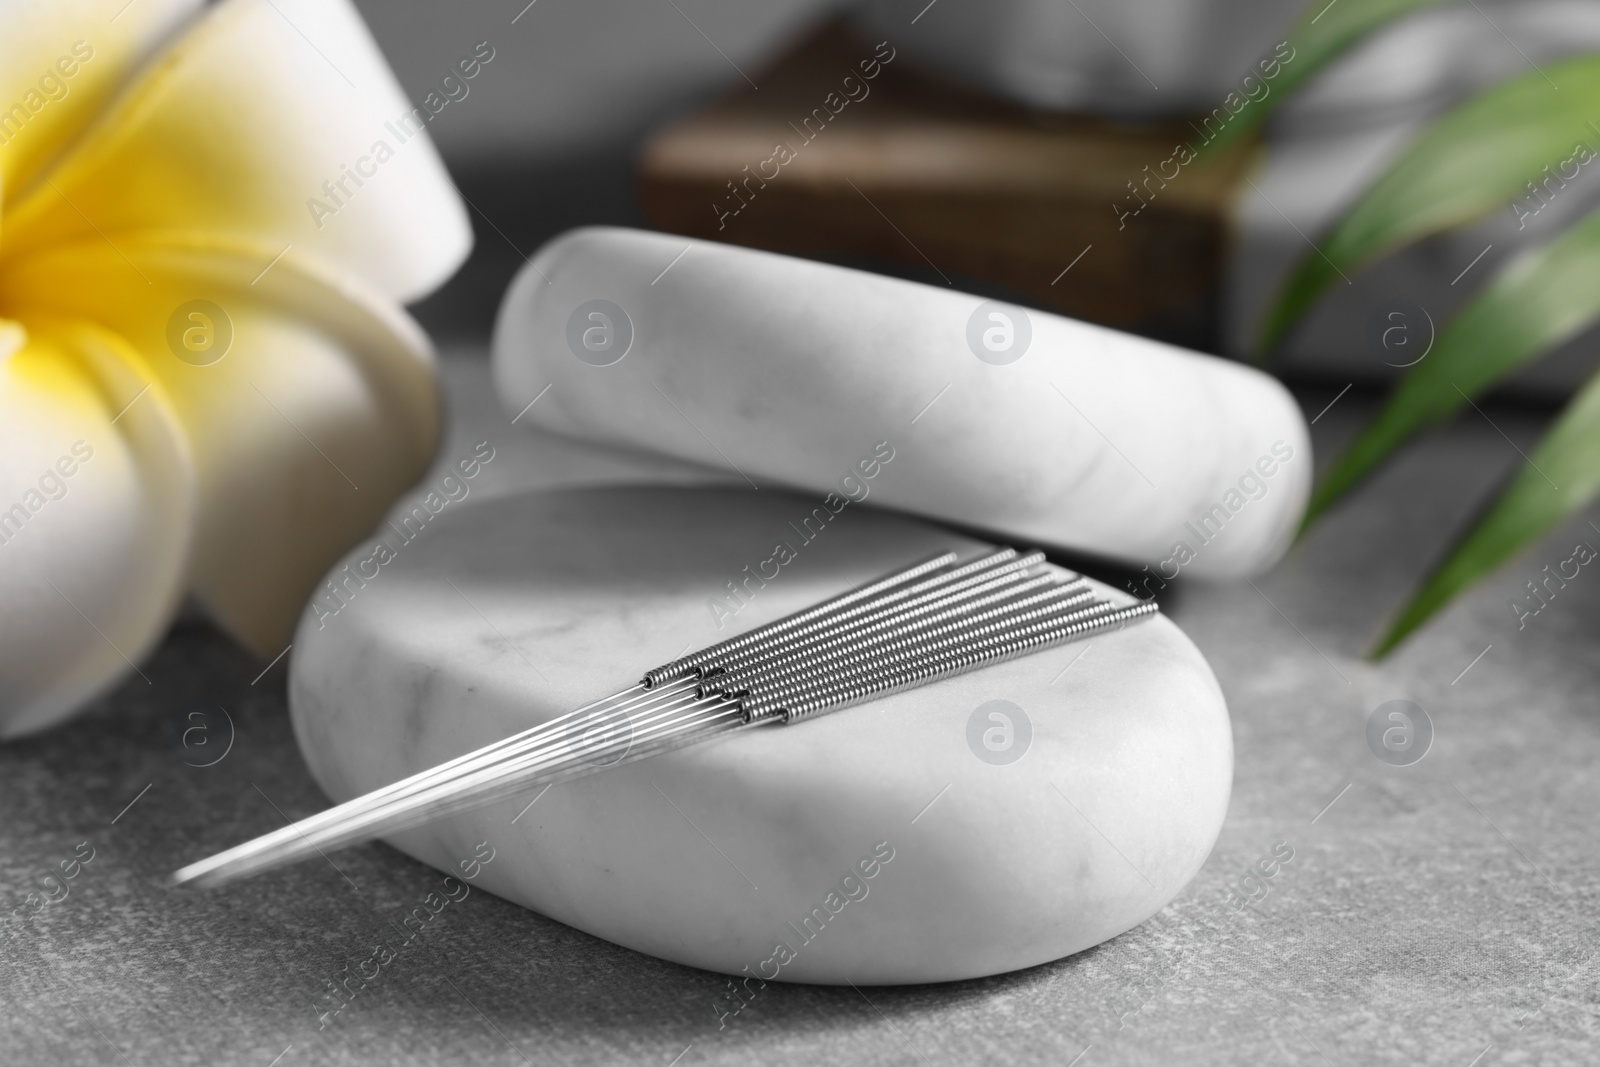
x: 1438, y: 913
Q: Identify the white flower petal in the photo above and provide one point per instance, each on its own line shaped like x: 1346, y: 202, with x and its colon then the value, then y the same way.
x: 60, y: 61
x: 96, y: 508
x: 320, y: 411
x: 236, y: 129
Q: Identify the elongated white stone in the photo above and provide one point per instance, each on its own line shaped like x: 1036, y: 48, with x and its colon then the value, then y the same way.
x: 786, y: 371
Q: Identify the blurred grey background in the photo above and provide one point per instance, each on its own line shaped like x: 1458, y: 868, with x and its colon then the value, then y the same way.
x: 545, y: 138
x: 547, y: 135
x: 575, y: 78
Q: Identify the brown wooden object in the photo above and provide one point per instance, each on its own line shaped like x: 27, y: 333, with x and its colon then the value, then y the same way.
x: 916, y: 169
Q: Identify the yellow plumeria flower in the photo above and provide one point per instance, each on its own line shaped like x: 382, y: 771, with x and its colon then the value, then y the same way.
x: 208, y: 220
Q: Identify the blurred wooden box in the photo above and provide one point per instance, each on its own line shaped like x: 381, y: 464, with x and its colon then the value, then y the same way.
x: 919, y: 171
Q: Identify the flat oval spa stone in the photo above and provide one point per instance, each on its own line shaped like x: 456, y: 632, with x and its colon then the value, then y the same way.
x: 792, y: 372
x: 980, y: 824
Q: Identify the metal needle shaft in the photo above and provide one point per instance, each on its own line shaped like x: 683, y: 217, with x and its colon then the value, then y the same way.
x: 928, y: 621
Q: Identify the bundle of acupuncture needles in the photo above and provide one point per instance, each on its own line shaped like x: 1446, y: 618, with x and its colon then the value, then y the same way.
x: 936, y: 619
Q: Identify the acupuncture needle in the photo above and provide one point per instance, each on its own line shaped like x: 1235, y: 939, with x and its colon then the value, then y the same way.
x: 1000, y: 649
x: 949, y: 658
x: 896, y: 647
x: 431, y: 798
x: 931, y: 620
x: 861, y: 621
x: 678, y: 667
x: 926, y: 617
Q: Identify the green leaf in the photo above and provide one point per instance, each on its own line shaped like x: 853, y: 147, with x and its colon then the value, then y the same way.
x: 1475, y: 159
x: 1481, y: 154
x: 1561, y: 476
x: 1324, y: 33
x: 1543, y: 298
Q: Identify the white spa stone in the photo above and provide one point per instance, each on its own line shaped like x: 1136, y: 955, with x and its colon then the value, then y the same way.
x: 791, y: 372
x: 505, y: 613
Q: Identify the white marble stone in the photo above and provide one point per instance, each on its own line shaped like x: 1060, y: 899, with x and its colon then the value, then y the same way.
x: 786, y: 371
x: 506, y: 611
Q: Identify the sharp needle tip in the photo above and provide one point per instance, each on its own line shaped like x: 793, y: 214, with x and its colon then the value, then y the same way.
x: 934, y: 619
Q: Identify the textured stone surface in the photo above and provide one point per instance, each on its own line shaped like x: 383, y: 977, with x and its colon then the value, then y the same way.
x: 795, y: 372
x: 1433, y: 912
x: 515, y: 610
